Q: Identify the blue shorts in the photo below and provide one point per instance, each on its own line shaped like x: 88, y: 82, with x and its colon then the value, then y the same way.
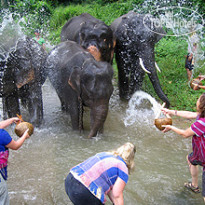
x: 188, y: 63
x: 194, y: 162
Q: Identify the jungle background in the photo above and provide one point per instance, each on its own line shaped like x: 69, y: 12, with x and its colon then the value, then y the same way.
x: 49, y: 16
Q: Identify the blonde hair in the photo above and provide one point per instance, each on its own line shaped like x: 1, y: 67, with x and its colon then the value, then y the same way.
x: 127, y: 152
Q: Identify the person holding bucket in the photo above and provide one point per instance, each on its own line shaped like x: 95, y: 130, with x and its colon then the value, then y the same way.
x: 105, y: 173
x: 197, y: 132
x: 6, y: 143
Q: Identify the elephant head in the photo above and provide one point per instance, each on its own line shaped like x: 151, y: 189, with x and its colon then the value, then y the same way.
x: 135, y: 43
x: 80, y: 81
x: 22, y: 79
x: 92, y: 34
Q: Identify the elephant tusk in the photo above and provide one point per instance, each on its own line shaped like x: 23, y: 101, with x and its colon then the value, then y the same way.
x: 157, y: 67
x: 142, y: 65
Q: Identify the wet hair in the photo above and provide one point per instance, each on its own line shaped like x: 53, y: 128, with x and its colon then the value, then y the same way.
x: 201, y: 107
x: 127, y: 152
x: 37, y: 31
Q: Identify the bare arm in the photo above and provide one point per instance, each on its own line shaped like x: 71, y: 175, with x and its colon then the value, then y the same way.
x: 44, y: 47
x: 6, y: 123
x: 202, y: 86
x: 15, y: 145
x: 184, y: 114
x: 184, y: 133
x: 116, y: 194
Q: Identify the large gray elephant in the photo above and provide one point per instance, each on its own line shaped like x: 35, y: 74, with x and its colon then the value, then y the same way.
x: 135, y: 42
x: 22, y: 76
x: 80, y: 81
x: 92, y: 34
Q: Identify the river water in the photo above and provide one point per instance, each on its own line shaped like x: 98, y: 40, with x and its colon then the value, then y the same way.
x: 37, y: 170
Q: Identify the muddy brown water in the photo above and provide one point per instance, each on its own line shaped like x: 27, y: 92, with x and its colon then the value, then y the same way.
x: 36, y: 171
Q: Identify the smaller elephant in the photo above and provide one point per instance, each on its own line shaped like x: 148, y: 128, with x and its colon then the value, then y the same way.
x: 80, y: 81
x: 92, y: 34
x: 22, y: 77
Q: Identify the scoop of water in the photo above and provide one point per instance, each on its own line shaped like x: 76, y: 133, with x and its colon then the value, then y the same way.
x: 142, y: 107
x: 10, y: 32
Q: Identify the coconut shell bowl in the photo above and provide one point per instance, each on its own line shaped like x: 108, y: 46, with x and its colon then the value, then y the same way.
x: 194, y: 84
x: 22, y: 126
x: 162, y: 121
x: 159, y: 122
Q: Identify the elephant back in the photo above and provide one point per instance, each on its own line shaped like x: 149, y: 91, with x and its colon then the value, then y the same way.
x: 72, y: 28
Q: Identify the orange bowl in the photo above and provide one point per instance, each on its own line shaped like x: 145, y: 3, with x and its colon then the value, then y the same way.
x: 162, y: 121
x: 22, y: 127
x: 195, y: 81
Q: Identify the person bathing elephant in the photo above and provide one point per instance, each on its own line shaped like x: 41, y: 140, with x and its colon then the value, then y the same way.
x: 22, y: 77
x: 80, y: 81
x: 135, y: 53
x: 92, y: 34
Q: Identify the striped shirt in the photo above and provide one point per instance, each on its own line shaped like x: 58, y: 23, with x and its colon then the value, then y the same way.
x: 198, y: 140
x: 99, y: 173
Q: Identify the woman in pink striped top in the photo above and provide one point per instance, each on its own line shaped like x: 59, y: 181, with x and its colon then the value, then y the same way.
x: 197, y: 131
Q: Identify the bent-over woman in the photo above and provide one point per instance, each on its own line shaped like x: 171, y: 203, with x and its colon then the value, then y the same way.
x: 105, y: 173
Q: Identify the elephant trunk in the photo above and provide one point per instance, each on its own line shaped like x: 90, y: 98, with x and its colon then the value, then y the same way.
x: 98, y: 115
x: 148, y: 60
x: 157, y: 87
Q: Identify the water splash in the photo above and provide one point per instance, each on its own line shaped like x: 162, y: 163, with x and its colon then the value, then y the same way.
x: 181, y: 19
x: 10, y: 32
x: 142, y: 107
x: 14, y: 26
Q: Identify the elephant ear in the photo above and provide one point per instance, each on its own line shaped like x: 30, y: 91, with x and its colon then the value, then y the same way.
x: 74, y: 79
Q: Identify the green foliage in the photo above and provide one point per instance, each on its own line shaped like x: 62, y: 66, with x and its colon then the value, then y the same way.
x: 170, y: 57
x: 36, y: 14
x: 106, y: 12
x: 170, y: 51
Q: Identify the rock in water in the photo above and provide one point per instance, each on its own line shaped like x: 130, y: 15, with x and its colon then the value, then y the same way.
x: 22, y: 127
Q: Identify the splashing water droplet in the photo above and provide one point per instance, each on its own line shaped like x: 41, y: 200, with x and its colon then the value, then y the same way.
x: 142, y: 107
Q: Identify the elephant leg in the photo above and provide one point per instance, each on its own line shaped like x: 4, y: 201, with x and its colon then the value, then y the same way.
x: 35, y: 104
x: 35, y: 109
x: 10, y: 106
x: 76, y: 113
x: 64, y: 105
x: 136, y: 78
x: 70, y: 103
x: 5, y: 112
x: 123, y: 77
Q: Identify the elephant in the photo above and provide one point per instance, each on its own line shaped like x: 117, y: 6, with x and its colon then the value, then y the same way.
x: 92, y: 34
x: 22, y: 77
x: 80, y: 80
x: 134, y: 53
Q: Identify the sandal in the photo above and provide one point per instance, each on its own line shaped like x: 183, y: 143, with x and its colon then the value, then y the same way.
x: 189, y: 186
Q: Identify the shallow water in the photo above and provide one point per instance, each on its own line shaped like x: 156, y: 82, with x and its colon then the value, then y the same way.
x: 37, y: 170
